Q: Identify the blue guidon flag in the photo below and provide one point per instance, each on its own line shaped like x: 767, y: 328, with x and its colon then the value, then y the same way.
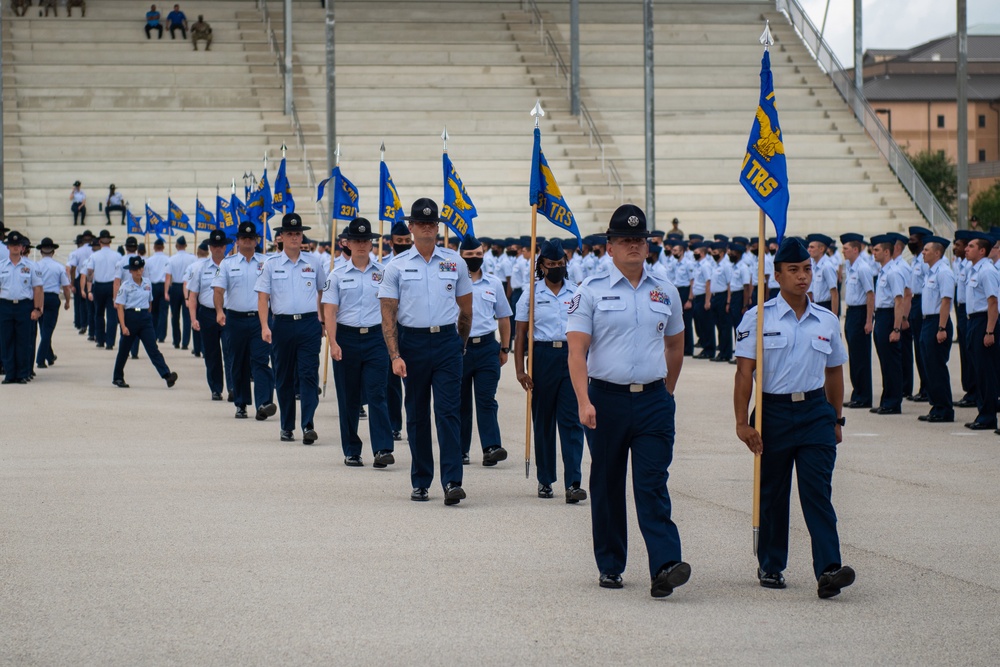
x: 457, y: 210
x: 134, y: 223
x: 389, y: 207
x: 155, y: 224
x: 545, y: 192
x: 764, y: 174
x: 345, y: 195
x: 204, y: 220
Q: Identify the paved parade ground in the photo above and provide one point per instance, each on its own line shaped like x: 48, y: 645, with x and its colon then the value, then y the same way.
x: 147, y: 526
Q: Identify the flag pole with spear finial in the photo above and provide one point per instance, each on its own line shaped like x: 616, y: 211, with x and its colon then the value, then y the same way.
x: 381, y: 222
x: 444, y: 138
x: 329, y: 271
x: 537, y: 113
x: 758, y: 394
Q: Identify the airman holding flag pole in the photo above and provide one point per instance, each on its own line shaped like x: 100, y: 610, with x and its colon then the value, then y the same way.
x: 799, y: 390
x: 537, y: 113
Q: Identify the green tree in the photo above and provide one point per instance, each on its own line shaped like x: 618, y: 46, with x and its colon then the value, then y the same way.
x: 987, y: 207
x: 940, y: 174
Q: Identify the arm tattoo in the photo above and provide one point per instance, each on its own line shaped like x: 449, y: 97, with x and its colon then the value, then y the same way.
x: 389, y: 308
x: 464, y: 325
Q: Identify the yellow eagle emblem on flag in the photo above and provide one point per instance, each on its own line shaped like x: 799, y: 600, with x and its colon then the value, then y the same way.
x: 459, y: 202
x: 769, y: 142
x: 551, y: 188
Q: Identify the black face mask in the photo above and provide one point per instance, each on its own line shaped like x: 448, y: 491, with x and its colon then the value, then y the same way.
x: 598, y: 252
x: 347, y: 251
x: 651, y: 259
x: 399, y: 248
x: 474, y: 263
x: 496, y: 252
x: 556, y: 274
x: 512, y: 253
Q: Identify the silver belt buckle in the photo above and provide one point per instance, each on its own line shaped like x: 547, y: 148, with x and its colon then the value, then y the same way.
x: 635, y: 388
x: 798, y: 396
x: 475, y: 341
x: 435, y: 329
x: 296, y: 317
x: 137, y: 309
x: 363, y: 330
x: 557, y: 343
x: 16, y: 301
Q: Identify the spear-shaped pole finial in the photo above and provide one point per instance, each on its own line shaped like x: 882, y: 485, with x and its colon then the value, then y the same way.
x: 537, y: 112
x: 265, y: 160
x: 766, y: 39
x: 283, y: 149
x: 444, y: 138
x: 381, y: 152
x: 234, y: 184
x: 336, y: 154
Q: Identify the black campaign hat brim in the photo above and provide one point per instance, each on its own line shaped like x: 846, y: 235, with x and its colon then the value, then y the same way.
x: 285, y: 230
x: 625, y: 233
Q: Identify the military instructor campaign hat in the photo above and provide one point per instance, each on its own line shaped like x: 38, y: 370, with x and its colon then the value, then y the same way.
x: 217, y: 238
x: 131, y: 242
x: 628, y: 221
x: 424, y: 210
x: 105, y: 234
x: 247, y: 230
x: 359, y: 229
x: 135, y: 263
x: 292, y: 222
x: 47, y: 244
x: 15, y: 238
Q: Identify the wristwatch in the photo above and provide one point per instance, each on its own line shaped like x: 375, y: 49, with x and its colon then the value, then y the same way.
x: 896, y: 330
x: 505, y: 350
x: 842, y: 421
x: 942, y: 330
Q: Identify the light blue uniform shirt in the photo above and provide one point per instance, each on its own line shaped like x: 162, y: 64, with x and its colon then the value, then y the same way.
x: 237, y: 277
x: 658, y: 271
x: 722, y: 273
x: 294, y: 287
x: 355, y: 293
x: 178, y: 264
x: 960, y: 268
x: 78, y: 258
x: 426, y: 290
x: 918, y: 271
x: 796, y: 352
x: 740, y: 276
x: 889, y: 285
x: 627, y: 326
x: 520, y: 273
x: 4, y: 253
x: 824, y: 280
x: 202, y: 275
x: 772, y: 282
x: 574, y: 269
x: 156, y: 267
x: 859, y: 283
x: 489, y: 304
x: 983, y: 282
x: 703, y: 271
x: 589, y: 264
x: 939, y: 282
x: 105, y: 263
x: 19, y: 281
x: 54, y: 276
x: 121, y: 271
x: 134, y: 295
x: 683, y: 271
x: 551, y: 310
x: 904, y: 269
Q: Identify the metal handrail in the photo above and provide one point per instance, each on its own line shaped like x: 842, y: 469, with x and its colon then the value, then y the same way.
x: 923, y: 198
x: 608, y: 167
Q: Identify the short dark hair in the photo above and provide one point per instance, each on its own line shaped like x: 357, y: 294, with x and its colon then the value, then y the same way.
x: 982, y: 244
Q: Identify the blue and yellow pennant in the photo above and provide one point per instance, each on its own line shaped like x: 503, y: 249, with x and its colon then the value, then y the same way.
x: 283, y: 200
x: 764, y: 174
x: 545, y: 192
x: 155, y: 224
x: 389, y: 206
x: 178, y: 219
x: 345, y: 196
x: 134, y: 223
x: 458, y: 210
x: 204, y: 221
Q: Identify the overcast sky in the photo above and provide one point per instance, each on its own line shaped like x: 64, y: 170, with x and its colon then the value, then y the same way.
x: 894, y: 24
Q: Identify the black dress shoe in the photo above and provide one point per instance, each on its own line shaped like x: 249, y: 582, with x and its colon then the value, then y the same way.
x: 216, y: 396
x: 241, y: 413
x: 832, y: 581
x: 183, y: 347
x: 544, y: 491
x: 493, y: 455
x: 110, y: 348
x: 575, y: 494
x: 857, y: 404
x: 919, y: 398
x: 886, y: 411
x: 383, y: 458
x: 362, y: 414
x: 353, y: 462
x: 940, y: 419
x: 52, y: 361
x: 265, y: 411
x: 453, y: 494
x: 966, y: 403
x: 287, y: 436
x: 135, y: 356
x: 980, y: 426
x: 703, y: 355
x: 229, y: 397
x: 397, y: 436
x: 770, y: 579
x: 611, y: 581
x: 91, y: 338
x: 120, y: 384
x: 100, y: 345
x: 419, y: 494
x: 177, y: 346
x: 171, y: 379
x: 670, y: 578
x: 197, y: 354
x: 309, y: 437
x: 466, y: 460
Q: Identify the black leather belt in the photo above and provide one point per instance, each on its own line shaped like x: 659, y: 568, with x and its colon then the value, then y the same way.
x: 359, y: 330
x: 444, y: 328
x: 550, y: 343
x: 796, y: 397
x: 626, y: 388
x: 288, y: 318
x: 14, y: 301
x: 976, y: 316
x: 241, y: 313
x: 482, y: 340
x: 882, y: 310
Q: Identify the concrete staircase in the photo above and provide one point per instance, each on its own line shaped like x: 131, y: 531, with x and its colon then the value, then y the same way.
x: 92, y: 99
x: 405, y: 70
x: 707, y: 83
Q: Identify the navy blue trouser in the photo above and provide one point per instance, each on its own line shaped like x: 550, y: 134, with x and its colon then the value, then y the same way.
x: 46, y: 326
x: 890, y: 359
x: 17, y: 337
x: 801, y: 435
x: 140, y: 327
x: 703, y: 325
x: 859, y: 352
x: 906, y: 358
x: 179, y: 314
x: 986, y: 363
x: 735, y: 312
x: 105, y: 317
x: 295, y: 349
x: 480, y: 377
x: 553, y: 403
x: 722, y: 332
x: 916, y: 318
x: 362, y: 370
x: 685, y: 291
x: 962, y: 336
x: 91, y: 320
x: 158, y: 311
x: 79, y: 307
x: 935, y: 360
x: 394, y: 397
x: 250, y: 357
x: 211, y: 336
x: 641, y: 424
x: 433, y: 363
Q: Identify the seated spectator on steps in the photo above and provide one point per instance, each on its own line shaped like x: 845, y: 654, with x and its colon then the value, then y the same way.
x: 201, y: 31
x: 177, y: 21
x: 115, y: 202
x: 153, y: 22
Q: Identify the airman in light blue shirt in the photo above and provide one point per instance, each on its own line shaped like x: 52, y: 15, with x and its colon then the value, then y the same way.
x: 426, y: 290
x: 355, y: 293
x: 294, y: 287
x: 237, y: 278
